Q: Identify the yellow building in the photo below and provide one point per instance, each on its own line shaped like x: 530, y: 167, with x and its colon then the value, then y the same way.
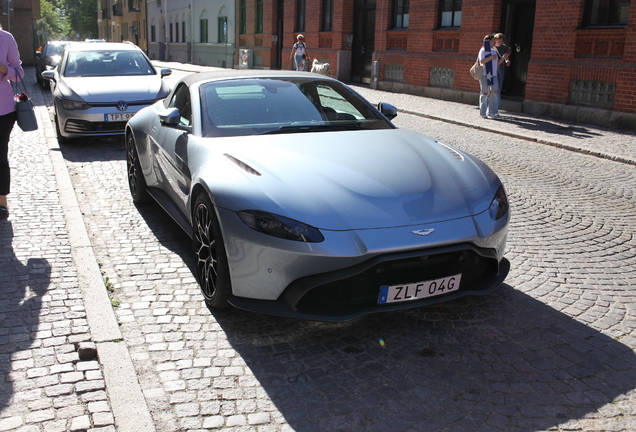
x: 123, y: 20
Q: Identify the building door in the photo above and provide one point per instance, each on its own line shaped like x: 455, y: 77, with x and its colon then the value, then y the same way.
x: 363, y: 41
x: 517, y: 23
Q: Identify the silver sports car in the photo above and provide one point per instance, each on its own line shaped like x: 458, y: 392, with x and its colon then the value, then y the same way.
x: 98, y: 87
x: 304, y: 200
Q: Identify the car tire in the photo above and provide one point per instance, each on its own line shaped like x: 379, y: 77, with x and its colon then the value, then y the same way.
x: 210, y: 258
x: 60, y: 138
x: 136, y: 181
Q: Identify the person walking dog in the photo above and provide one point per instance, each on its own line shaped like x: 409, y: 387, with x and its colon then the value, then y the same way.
x: 299, y: 52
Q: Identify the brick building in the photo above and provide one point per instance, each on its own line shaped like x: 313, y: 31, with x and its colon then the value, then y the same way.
x: 21, y: 24
x: 574, y: 59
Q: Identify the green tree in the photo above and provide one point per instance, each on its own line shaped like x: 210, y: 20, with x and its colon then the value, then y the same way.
x: 54, y: 23
x: 87, y: 21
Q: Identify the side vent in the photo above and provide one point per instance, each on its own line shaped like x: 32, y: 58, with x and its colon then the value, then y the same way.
x: 451, y: 150
x: 242, y: 165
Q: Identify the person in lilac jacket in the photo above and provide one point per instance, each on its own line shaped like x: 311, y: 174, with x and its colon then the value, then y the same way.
x: 10, y: 67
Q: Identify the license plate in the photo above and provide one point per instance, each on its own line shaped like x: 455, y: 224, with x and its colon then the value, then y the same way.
x: 118, y: 117
x: 418, y: 290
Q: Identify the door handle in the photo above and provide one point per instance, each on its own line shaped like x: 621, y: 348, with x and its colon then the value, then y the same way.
x: 517, y: 48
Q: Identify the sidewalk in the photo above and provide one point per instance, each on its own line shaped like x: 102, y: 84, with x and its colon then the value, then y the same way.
x: 604, y: 143
x: 55, y: 302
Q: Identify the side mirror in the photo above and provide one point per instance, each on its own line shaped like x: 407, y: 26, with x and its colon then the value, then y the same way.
x: 166, y: 72
x: 388, y: 110
x: 48, y: 75
x: 171, y: 117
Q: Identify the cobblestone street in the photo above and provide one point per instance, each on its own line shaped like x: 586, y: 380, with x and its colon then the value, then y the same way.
x: 552, y: 349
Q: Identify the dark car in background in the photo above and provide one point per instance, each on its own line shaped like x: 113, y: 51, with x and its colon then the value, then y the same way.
x: 47, y: 59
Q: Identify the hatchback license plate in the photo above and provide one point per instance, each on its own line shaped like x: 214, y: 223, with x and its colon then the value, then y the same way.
x: 418, y: 290
x: 118, y: 117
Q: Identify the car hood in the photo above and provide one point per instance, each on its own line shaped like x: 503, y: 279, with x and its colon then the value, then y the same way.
x: 109, y: 89
x: 354, y: 180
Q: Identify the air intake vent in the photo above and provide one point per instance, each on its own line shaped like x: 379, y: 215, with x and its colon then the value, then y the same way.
x: 245, y: 167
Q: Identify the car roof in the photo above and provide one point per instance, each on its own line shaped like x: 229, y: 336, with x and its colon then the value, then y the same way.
x: 102, y: 46
x: 247, y: 73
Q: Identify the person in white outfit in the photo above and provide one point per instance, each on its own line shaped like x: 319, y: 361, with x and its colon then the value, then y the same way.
x: 490, y: 94
x: 299, y: 52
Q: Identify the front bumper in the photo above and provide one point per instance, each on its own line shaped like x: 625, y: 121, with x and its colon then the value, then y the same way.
x: 339, y: 279
x: 350, y: 293
x: 94, y: 121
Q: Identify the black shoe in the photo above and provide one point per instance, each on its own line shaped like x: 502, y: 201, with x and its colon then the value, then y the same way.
x: 4, y: 212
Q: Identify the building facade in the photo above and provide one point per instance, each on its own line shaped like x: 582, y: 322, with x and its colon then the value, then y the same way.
x: 192, y: 31
x: 123, y: 20
x: 574, y: 59
x: 18, y: 17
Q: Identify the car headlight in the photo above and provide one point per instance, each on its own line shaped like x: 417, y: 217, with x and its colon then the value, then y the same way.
x: 72, y: 105
x: 499, y: 205
x: 280, y: 226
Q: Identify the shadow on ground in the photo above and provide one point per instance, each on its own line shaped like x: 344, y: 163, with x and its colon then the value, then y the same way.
x: 503, y: 362
x: 22, y: 288
x: 534, y: 124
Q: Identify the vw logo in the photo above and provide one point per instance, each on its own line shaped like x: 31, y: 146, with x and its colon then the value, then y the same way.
x: 122, y: 106
x: 423, y: 232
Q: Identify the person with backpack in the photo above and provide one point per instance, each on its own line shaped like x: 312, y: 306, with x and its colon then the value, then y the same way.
x: 299, y: 52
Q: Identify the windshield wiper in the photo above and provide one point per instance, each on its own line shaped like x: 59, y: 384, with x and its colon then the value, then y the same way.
x: 299, y: 128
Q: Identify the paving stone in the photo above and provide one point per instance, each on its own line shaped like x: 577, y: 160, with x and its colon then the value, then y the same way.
x: 10, y: 423
x: 103, y: 419
x: 552, y: 349
x: 80, y: 423
x: 87, y: 351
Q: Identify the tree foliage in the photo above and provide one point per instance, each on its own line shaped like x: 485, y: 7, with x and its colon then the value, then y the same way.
x: 54, y: 23
x: 63, y: 19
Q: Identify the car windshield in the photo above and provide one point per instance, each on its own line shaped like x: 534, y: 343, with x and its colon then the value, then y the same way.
x: 283, y: 105
x: 106, y: 63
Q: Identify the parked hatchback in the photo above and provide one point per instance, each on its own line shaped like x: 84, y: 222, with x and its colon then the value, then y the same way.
x: 47, y: 59
x: 97, y: 88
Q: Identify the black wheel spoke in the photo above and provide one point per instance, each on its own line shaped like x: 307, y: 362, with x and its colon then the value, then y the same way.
x: 211, y: 267
x: 206, y: 262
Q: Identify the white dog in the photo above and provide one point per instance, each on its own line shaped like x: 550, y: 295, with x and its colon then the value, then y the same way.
x: 321, y: 68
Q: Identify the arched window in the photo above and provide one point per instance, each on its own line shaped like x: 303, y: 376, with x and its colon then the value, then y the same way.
x: 401, y: 13
x: 599, y: 13
x: 259, y: 17
x: 203, y: 27
x: 300, y: 15
x: 450, y: 13
x: 243, y: 17
x: 153, y: 31
x: 183, y: 29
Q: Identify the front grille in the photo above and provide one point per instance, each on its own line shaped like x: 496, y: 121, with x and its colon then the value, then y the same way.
x: 84, y: 126
x: 361, y: 290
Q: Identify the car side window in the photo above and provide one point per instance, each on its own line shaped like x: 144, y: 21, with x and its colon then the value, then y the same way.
x: 181, y: 101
